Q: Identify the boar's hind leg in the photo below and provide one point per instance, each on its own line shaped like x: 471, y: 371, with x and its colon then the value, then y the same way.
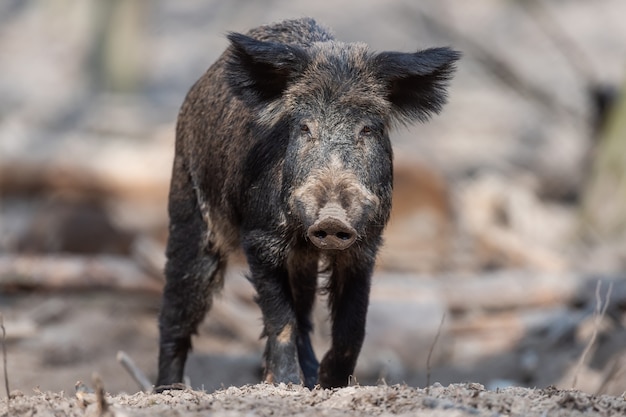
x: 193, y: 272
x: 349, y: 289
x: 303, y: 282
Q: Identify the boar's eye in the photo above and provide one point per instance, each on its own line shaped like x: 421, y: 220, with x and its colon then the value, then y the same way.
x: 304, y: 129
x: 366, y: 131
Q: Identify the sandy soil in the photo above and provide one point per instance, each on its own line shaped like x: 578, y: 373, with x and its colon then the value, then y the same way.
x: 268, y: 400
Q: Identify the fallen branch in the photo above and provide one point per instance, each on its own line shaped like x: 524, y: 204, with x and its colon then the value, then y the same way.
x: 25, y: 177
x: 74, y: 272
x: 150, y: 256
x: 20, y: 329
x: 510, y: 290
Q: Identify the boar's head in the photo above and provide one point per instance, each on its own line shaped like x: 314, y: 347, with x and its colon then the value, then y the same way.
x: 335, y: 103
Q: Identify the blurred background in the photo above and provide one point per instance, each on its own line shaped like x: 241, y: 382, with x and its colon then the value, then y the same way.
x: 504, y: 263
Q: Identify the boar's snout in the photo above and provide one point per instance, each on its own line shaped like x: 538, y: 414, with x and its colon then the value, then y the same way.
x: 331, y: 230
x: 331, y: 233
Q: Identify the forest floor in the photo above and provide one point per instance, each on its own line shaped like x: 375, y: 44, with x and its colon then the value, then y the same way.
x: 456, y: 400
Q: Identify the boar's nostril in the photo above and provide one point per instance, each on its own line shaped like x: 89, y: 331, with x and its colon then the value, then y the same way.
x: 320, y: 234
x: 331, y: 233
x: 344, y: 235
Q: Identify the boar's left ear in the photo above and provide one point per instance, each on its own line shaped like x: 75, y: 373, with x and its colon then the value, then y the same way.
x: 416, y: 82
x: 260, y: 71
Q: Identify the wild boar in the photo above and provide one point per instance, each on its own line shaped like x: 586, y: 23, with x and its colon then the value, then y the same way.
x: 282, y: 148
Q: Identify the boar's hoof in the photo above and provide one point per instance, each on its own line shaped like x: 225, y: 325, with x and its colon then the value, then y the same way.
x: 331, y: 233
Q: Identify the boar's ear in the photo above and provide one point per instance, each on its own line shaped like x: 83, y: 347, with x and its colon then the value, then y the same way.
x: 259, y: 71
x: 417, y: 82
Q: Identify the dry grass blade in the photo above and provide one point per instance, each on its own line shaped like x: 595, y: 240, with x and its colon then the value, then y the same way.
x: 615, y: 369
x: 430, y: 351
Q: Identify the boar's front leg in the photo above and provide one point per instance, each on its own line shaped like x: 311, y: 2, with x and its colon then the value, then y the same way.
x: 271, y: 281
x: 303, y: 268
x: 193, y: 272
x: 348, y: 288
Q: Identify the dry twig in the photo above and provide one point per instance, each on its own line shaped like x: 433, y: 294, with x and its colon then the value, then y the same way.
x: 598, y: 315
x: 144, y: 384
x: 500, y: 69
x: 577, y: 59
x: 103, y: 406
x: 4, y: 362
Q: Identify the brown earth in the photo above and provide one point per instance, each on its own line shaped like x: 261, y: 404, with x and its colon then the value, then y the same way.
x: 456, y: 400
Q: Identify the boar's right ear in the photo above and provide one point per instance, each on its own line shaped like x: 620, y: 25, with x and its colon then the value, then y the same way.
x: 260, y: 71
x: 416, y: 82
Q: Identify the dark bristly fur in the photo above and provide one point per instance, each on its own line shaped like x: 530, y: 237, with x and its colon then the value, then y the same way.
x: 282, y: 148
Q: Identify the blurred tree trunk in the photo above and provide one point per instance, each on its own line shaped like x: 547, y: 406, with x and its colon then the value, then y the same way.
x: 118, y: 52
x: 604, y: 199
